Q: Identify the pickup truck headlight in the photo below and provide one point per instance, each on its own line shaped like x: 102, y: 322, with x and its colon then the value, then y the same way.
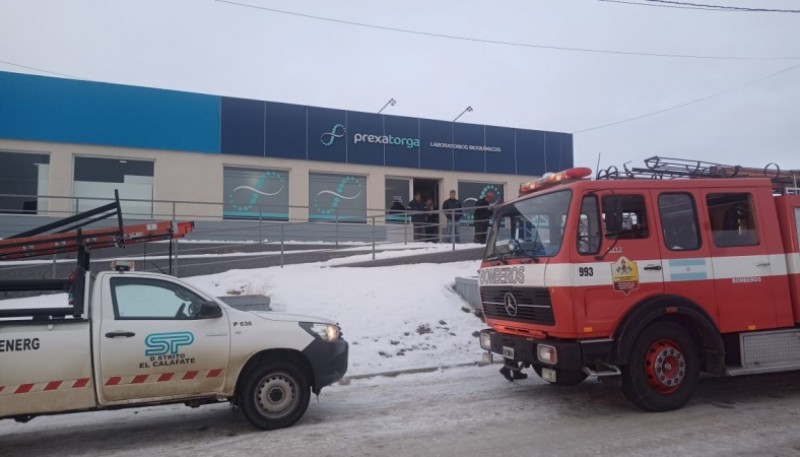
x: 327, y: 332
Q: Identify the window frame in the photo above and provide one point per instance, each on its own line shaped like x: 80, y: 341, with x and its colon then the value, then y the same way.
x: 696, y: 223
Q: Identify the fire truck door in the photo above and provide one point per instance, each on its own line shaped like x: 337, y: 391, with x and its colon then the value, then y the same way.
x: 688, y: 268
x: 632, y: 268
x: 740, y: 260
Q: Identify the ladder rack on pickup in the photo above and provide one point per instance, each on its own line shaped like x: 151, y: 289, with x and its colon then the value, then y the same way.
x: 68, y: 235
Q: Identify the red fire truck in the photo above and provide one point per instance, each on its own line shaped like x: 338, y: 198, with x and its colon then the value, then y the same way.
x: 646, y: 276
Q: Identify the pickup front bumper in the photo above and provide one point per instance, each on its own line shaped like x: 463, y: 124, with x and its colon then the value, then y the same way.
x: 559, y: 354
x: 328, y: 361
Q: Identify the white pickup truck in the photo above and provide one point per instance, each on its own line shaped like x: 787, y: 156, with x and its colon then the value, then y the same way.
x: 128, y: 339
x: 145, y: 339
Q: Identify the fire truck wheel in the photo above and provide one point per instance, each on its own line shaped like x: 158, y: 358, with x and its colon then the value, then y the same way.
x: 663, y: 368
x: 275, y: 395
x: 564, y: 378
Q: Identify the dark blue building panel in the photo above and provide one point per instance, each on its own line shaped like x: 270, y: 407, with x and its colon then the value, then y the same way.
x: 403, y: 149
x: 39, y: 108
x: 327, y: 135
x: 468, y: 148
x: 553, y: 142
x: 436, y: 149
x: 500, y: 150
x: 367, y: 140
x: 530, y: 152
x: 242, y: 126
x: 286, y: 131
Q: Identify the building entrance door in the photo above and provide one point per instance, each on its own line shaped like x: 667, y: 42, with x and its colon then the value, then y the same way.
x: 428, y: 188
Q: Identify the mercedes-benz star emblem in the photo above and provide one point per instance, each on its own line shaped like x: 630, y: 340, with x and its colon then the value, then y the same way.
x: 510, y: 303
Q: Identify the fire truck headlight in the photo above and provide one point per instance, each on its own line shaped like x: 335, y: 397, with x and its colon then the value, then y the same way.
x: 327, y: 332
x: 486, y: 341
x: 547, y: 354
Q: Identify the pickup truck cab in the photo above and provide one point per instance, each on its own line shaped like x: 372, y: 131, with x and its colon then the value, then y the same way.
x: 140, y: 339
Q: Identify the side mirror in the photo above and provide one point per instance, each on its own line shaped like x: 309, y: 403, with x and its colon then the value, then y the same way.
x: 612, y: 210
x: 209, y: 310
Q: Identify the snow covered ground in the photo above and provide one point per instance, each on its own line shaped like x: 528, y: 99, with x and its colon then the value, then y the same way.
x: 395, y: 318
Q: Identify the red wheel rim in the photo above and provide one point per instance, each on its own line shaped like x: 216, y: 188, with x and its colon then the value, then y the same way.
x: 665, y: 366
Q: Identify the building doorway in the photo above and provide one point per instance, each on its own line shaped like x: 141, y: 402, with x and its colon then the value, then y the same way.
x: 428, y: 188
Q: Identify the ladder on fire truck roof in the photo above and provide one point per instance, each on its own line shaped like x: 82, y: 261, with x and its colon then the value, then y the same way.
x: 68, y: 235
x: 783, y: 181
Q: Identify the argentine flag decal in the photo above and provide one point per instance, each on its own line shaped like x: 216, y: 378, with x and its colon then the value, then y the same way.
x: 688, y: 269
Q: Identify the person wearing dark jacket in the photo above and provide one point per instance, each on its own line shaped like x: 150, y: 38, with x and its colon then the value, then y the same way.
x: 431, y: 222
x: 452, y: 213
x: 482, y: 214
x: 417, y: 209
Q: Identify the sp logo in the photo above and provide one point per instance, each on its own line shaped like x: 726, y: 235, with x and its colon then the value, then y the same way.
x: 167, y: 343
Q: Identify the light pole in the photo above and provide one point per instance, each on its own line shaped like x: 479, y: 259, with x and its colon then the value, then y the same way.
x: 466, y: 110
x: 390, y: 102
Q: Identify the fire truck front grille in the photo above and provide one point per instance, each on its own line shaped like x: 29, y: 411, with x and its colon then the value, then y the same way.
x: 520, y: 304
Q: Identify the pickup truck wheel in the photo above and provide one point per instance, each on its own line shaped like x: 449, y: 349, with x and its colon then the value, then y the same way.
x: 564, y: 378
x: 663, y: 368
x: 275, y: 395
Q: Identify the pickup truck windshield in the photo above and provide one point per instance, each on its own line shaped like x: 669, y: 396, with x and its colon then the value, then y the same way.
x: 533, y: 227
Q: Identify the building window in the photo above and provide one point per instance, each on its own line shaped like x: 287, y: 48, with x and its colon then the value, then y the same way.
x: 95, y: 181
x: 340, y: 198
x: 470, y: 192
x: 255, y: 194
x: 23, y: 180
x: 397, y: 197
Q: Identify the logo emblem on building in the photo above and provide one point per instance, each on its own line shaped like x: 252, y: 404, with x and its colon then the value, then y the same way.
x: 328, y: 138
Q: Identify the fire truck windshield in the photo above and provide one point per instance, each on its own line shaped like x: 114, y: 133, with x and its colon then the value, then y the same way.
x: 532, y: 227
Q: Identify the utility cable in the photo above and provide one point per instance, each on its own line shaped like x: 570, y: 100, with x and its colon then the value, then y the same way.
x: 497, y: 42
x: 725, y: 7
x: 691, y: 102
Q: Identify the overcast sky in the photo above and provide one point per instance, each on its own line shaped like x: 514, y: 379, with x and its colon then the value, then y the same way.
x: 228, y: 48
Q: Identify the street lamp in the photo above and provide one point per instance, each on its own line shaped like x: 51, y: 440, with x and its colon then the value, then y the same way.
x: 466, y: 110
x: 390, y: 102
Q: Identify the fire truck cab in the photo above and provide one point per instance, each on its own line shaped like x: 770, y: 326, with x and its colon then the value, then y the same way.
x: 647, y: 281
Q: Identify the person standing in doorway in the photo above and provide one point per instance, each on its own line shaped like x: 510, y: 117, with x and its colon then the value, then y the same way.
x: 452, y: 214
x: 483, y: 212
x: 432, y: 222
x: 417, y: 209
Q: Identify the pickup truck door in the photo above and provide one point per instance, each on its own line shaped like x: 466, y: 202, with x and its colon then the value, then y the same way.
x: 152, y: 344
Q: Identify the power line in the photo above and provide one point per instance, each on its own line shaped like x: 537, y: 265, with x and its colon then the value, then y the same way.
x: 38, y: 69
x: 725, y: 7
x: 691, y: 102
x: 498, y: 42
x: 659, y: 6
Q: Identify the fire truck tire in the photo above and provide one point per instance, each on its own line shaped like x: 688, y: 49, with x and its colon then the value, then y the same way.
x: 663, y: 370
x: 275, y: 395
x: 564, y: 378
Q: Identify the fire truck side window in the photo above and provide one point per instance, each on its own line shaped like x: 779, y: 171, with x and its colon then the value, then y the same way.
x: 732, y: 218
x: 634, y: 217
x: 589, y: 227
x: 679, y: 221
